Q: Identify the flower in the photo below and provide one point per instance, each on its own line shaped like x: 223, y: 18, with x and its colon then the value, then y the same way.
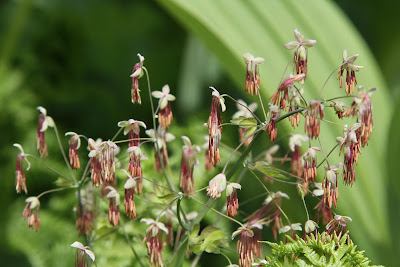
x: 296, y: 101
x: 82, y: 254
x: 245, y: 111
x: 232, y: 203
x: 248, y: 246
x: 31, y: 212
x: 129, y: 202
x: 216, y: 186
x: 292, y: 228
x: 164, y: 113
x: 161, y: 152
x: 300, y: 51
x: 338, y: 225
x: 330, y: 184
x: 19, y: 173
x: 44, y: 122
x: 189, y: 160
x: 153, y: 241
x: 132, y: 127
x: 95, y: 162
x: 314, y: 113
x: 107, y: 159
x: 282, y: 94
x: 274, y: 112
x: 351, y: 69
x: 214, y: 126
x: 113, y: 210
x: 296, y: 163
x: 362, y: 107
x: 252, y: 73
x: 74, y: 145
x: 323, y: 211
x: 137, y: 73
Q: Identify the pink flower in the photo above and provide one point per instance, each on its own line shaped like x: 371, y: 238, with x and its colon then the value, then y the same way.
x: 189, y: 160
x: 164, y: 105
x: 82, y: 254
x: 252, y: 73
x: 31, y: 212
x: 19, y: 172
x: 153, y: 241
x: 74, y: 145
x: 216, y: 186
x: 137, y: 73
x: 351, y: 69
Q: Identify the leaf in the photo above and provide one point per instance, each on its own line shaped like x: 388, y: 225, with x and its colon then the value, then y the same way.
x: 268, y: 170
x: 230, y: 28
x: 210, y: 240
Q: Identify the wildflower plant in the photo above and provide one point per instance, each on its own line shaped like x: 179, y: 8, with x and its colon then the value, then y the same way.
x: 167, y: 200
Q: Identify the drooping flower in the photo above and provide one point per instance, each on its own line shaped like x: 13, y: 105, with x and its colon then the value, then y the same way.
x: 161, y: 139
x: 296, y: 101
x: 248, y: 246
x: 137, y: 73
x: 132, y: 127
x: 164, y: 114
x: 281, y: 96
x: 350, y: 145
x: 20, y: 179
x: 314, y: 113
x: 246, y: 111
x: 129, y: 202
x: 82, y: 254
x: 300, y: 48
x: 189, y: 160
x: 351, y: 69
x: 296, y: 162
x: 274, y: 112
x: 113, y: 210
x: 310, y: 164
x: 107, y: 160
x: 252, y: 73
x: 95, y: 162
x: 206, y: 146
x: 214, y: 126
x: 84, y: 212
x: 309, y: 227
x: 291, y: 228
x: 216, y: 186
x: 232, y: 202
x: 31, y: 212
x: 44, y: 122
x: 74, y: 145
x: 362, y: 107
x: 338, y: 225
x: 323, y: 211
x: 153, y: 241
x: 331, y: 192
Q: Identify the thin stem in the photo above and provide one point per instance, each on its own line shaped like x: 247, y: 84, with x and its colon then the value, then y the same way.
x: 49, y: 168
x: 328, y: 154
x: 63, y: 153
x: 327, y: 79
x: 323, y: 152
x: 261, y: 102
x: 246, y: 107
x: 220, y: 213
x: 55, y: 190
x: 298, y: 91
x: 178, y: 214
x: 176, y: 251
x: 155, y: 131
x: 339, y: 97
x: 305, y: 207
x: 85, y: 172
x: 134, y: 139
x: 116, y: 135
x: 226, y: 257
x: 106, y: 234
x: 331, y: 122
x: 237, y: 148
x: 252, y: 167
x: 132, y: 248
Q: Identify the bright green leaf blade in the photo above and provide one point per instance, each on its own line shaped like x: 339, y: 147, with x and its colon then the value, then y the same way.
x: 231, y: 28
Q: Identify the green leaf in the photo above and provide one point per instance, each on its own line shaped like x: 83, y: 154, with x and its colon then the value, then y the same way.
x: 230, y: 28
x: 268, y: 170
x: 210, y: 240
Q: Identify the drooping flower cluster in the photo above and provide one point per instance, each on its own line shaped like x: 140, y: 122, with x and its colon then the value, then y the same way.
x: 154, y: 241
x: 248, y: 246
x: 247, y: 112
x: 281, y: 96
x: 300, y: 48
x: 189, y: 160
x: 129, y: 201
x: 271, y: 127
x: 351, y: 69
x: 82, y: 254
x: 296, y: 162
x: 113, y: 210
x: 329, y: 184
x: 314, y: 113
x: 74, y: 145
x: 137, y: 73
x: 338, y: 225
x: 161, y: 139
x: 252, y: 73
x: 20, y: 179
x: 164, y: 105
x: 44, y: 122
x: 31, y: 212
x: 216, y: 186
x: 232, y: 202
x: 214, y: 126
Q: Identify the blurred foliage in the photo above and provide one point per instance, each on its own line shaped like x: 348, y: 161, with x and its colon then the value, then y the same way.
x: 75, y: 57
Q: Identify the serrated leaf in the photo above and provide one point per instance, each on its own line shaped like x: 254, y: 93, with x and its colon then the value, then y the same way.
x: 268, y: 170
x: 168, y: 198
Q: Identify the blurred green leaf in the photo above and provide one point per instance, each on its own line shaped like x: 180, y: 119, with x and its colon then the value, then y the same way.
x: 230, y: 28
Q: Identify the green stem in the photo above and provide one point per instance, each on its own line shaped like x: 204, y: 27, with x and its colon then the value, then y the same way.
x: 132, y: 248
x: 49, y: 168
x: 63, y: 153
x: 178, y: 214
x: 55, y: 190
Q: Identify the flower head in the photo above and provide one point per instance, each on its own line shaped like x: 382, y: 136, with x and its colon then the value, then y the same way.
x: 338, y: 225
x: 153, y: 241
x: 314, y: 114
x: 252, y: 73
x: 351, y: 69
x: 137, y: 73
x: 330, y: 184
x: 247, y: 112
x: 19, y: 172
x: 248, y: 246
x: 214, y: 126
x: 189, y: 160
x: 74, y: 145
x: 113, y: 210
x: 274, y: 112
x: 232, y: 202
x: 300, y: 48
x: 216, y: 186
x: 95, y: 162
x: 162, y: 139
x: 129, y: 202
x: 281, y: 96
x: 132, y: 127
x: 31, y: 212
x: 165, y: 113
x: 44, y: 122
x: 82, y: 254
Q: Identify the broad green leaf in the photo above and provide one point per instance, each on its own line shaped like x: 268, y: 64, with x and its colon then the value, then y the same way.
x: 268, y: 170
x: 231, y: 28
x: 210, y: 240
